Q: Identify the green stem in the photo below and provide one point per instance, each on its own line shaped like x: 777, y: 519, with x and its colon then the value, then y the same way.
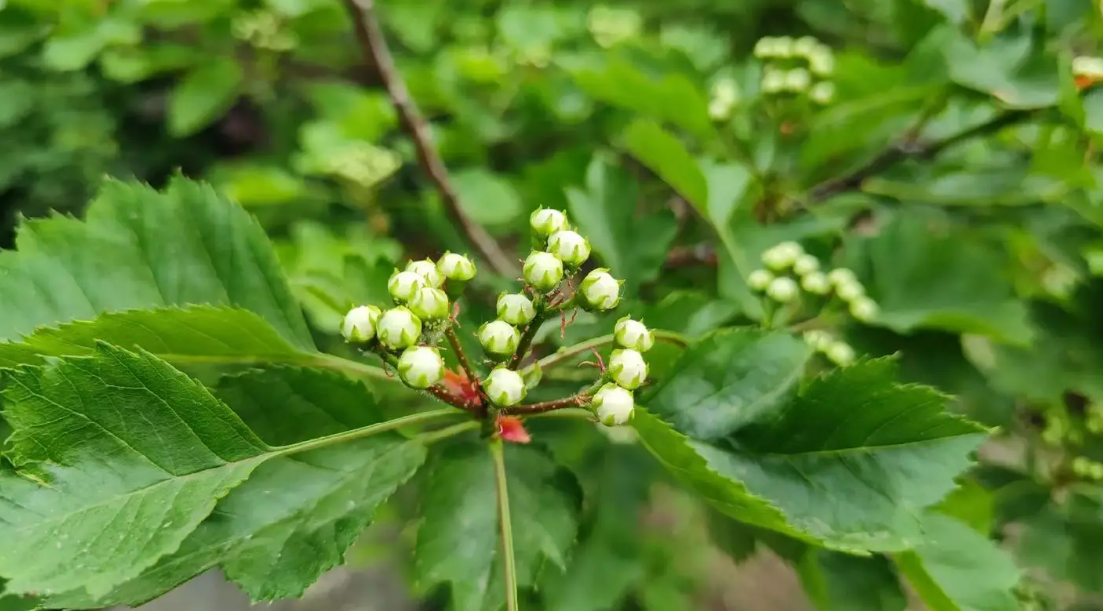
x: 526, y: 338
x: 450, y: 431
x: 567, y: 412
x: 508, y: 562
x: 566, y: 354
x: 454, y: 341
x: 305, y: 359
x: 366, y: 431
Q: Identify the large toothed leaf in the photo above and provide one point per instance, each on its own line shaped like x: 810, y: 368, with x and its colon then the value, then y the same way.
x: 140, y: 248
x: 849, y: 462
x: 458, y: 540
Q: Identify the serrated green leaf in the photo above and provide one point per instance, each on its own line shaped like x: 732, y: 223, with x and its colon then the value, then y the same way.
x: 955, y: 568
x: 185, y: 245
x: 605, y: 213
x: 838, y: 582
x: 1009, y: 68
x: 204, y: 94
x: 458, y: 541
x: 850, y: 462
x: 727, y: 379
x: 665, y: 155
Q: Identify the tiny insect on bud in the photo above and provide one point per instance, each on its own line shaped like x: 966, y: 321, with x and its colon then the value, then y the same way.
x: 428, y: 271
x: 430, y: 304
x: 815, y: 283
x: 806, y: 264
x: 515, y: 308
x: 633, y: 334
x: 404, y: 285
x: 420, y: 366
x: 840, y: 353
x: 822, y: 93
x: 499, y: 338
x: 456, y: 267
x: 863, y: 308
x: 782, y: 256
x: 546, y: 221
x: 543, y: 270
x: 399, y: 328
x: 798, y: 79
x: 505, y: 387
x: 358, y: 326
x: 613, y: 405
x: 627, y: 368
x: 571, y: 248
x: 599, y: 290
x: 759, y: 279
x: 850, y: 291
x: 783, y: 290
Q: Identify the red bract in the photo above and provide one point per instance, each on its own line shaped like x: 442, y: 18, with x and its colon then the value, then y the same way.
x: 511, y: 429
x: 457, y: 384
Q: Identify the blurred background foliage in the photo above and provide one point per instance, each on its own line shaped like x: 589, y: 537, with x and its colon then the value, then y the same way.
x: 973, y: 218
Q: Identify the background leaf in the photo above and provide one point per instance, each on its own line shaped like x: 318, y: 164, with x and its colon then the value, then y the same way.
x: 205, y: 93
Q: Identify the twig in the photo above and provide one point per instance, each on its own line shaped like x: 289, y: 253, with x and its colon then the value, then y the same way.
x: 461, y: 356
x: 547, y: 406
x: 370, y: 36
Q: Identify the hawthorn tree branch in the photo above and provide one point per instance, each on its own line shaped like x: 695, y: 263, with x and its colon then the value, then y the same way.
x: 548, y: 406
x: 374, y: 47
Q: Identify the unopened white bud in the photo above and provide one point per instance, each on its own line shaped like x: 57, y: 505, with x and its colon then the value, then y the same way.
x: 599, y: 290
x: 805, y: 45
x: 543, y: 270
x: 505, y: 387
x: 840, y: 353
x: 759, y: 279
x: 627, y: 368
x: 798, y: 79
x: 783, y: 289
x: 841, y: 275
x: 849, y: 291
x: 782, y: 256
x: 546, y: 221
x: 499, y: 338
x: 806, y: 264
x: 818, y: 339
x: 822, y: 61
x: 428, y: 271
x: 515, y: 308
x: 783, y: 47
x: 358, y: 326
x: 773, y: 81
x: 399, y: 328
x: 764, y: 47
x: 420, y: 366
x: 1086, y: 65
x: 570, y: 247
x: 822, y: 93
x: 815, y: 283
x: 430, y: 304
x: 404, y: 285
x: 614, y: 405
x: 456, y: 267
x: 633, y: 334
x: 864, y: 309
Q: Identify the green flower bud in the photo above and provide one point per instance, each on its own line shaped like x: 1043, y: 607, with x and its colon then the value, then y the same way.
x: 543, y: 270
x: 428, y: 271
x: 421, y: 366
x: 782, y: 256
x: 850, y: 291
x: 358, y: 326
x: 599, y: 290
x: 840, y: 353
x: 633, y: 334
x: 404, y: 285
x: 570, y: 247
x: 627, y: 368
x: 614, y: 405
x: 773, y: 81
x: 499, y: 338
x: 822, y: 93
x: 818, y: 339
x: 815, y: 283
x: 783, y: 290
x: 430, y: 304
x: 505, y: 387
x: 806, y: 264
x: 841, y: 275
x: 822, y: 61
x: 783, y: 47
x: 805, y: 46
x: 864, y: 309
x: 759, y: 279
x: 798, y: 79
x: 764, y: 47
x: 515, y: 308
x: 546, y: 221
x: 456, y: 267
x: 399, y: 328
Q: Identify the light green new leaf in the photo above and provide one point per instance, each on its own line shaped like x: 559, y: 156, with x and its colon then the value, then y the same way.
x: 955, y: 568
x: 458, y: 540
x: 204, y: 94
x: 606, y: 214
x: 923, y: 275
x: 850, y: 462
x: 139, y: 248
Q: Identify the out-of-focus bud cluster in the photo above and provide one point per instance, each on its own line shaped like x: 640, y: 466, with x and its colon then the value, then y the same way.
x: 613, y: 25
x: 801, y: 66
x: 362, y: 163
x: 788, y: 272
x: 836, y: 350
x: 263, y: 29
x: 723, y: 98
x: 1087, y: 70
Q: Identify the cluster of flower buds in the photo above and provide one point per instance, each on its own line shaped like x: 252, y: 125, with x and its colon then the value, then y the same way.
x: 614, y: 402
x: 612, y: 25
x: 1087, y: 70
x: 836, y: 350
x: 723, y: 98
x: 789, y: 270
x: 264, y: 29
x: 1087, y: 468
x: 800, y: 66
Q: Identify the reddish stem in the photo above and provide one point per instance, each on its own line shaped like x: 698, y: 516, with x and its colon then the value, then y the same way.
x: 547, y: 406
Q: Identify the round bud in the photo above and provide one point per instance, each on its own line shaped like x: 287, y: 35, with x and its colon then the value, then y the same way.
x: 633, y: 334
x: 599, y: 290
x: 863, y: 308
x: 543, y: 270
x: 404, y: 285
x: 759, y: 279
x: 627, y: 368
x: 815, y: 283
x: 783, y: 289
x: 430, y: 304
x: 782, y: 256
x: 1086, y: 65
x: 499, y: 338
x: 505, y: 387
x: 773, y: 81
x: 515, y: 308
x: 798, y: 79
x: 420, y: 366
x: 613, y: 405
x: 428, y: 271
x: 806, y: 264
x: 822, y: 61
x: 570, y: 247
x: 841, y: 275
x: 805, y: 45
x: 358, y: 326
x: 850, y: 291
x: 822, y: 93
x: 840, y: 353
x: 764, y: 47
x: 399, y: 328
x: 783, y: 47
x: 818, y: 339
x: 546, y: 221
x: 456, y: 267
